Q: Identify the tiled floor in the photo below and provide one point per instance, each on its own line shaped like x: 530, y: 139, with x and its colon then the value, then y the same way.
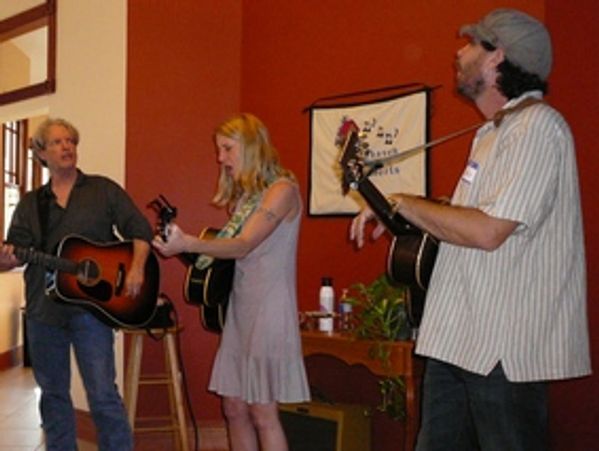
x: 19, y: 418
x: 20, y: 422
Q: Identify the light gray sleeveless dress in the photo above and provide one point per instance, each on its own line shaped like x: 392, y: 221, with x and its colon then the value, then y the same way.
x: 260, y: 359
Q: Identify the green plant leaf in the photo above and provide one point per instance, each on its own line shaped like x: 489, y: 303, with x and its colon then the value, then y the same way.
x: 380, y: 315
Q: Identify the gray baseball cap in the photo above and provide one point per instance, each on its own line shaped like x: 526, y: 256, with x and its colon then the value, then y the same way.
x: 524, y: 39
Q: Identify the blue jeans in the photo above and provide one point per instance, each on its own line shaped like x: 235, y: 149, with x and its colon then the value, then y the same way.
x: 463, y: 411
x: 92, y: 341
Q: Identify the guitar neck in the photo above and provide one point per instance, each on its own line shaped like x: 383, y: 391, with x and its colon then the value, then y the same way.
x: 46, y: 260
x: 188, y: 258
x: 395, y: 223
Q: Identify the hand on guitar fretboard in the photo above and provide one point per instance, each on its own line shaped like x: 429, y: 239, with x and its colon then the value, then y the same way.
x: 166, y: 214
x: 207, y: 284
x: 413, y: 253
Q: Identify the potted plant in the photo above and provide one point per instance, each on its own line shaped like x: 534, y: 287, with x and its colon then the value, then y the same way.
x: 380, y: 315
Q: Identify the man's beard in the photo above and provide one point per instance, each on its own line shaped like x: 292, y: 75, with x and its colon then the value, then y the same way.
x: 471, y: 90
x: 471, y: 83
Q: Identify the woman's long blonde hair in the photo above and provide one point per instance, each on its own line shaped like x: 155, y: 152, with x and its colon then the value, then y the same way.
x: 260, y: 164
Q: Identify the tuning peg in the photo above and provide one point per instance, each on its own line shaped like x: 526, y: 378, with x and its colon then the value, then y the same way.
x: 166, y: 202
x: 155, y: 204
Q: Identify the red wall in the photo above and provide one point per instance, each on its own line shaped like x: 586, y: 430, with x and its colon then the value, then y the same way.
x: 575, y: 404
x: 183, y: 78
x: 193, y: 63
x: 296, y: 54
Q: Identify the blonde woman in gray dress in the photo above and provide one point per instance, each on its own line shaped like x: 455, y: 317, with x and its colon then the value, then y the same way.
x: 259, y: 361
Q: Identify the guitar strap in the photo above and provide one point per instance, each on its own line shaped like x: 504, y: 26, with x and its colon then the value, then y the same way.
x: 232, y: 227
x: 43, y: 208
x: 497, y: 120
x: 43, y: 211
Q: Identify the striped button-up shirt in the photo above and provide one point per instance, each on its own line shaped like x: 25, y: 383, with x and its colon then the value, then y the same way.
x: 524, y: 304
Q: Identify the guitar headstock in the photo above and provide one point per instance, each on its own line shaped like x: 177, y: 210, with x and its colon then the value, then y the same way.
x: 166, y: 214
x: 352, y: 160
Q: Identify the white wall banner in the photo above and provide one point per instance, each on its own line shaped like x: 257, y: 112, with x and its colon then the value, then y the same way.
x: 388, y: 127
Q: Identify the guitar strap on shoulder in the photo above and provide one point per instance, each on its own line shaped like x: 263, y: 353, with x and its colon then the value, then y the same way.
x: 43, y: 208
x: 43, y: 211
x: 239, y: 217
x: 232, y: 227
x: 498, y: 118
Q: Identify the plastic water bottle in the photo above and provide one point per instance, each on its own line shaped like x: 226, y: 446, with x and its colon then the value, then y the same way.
x: 345, y: 313
x: 327, y: 305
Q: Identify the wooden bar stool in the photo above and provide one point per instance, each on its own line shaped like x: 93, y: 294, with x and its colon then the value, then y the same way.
x: 171, y: 379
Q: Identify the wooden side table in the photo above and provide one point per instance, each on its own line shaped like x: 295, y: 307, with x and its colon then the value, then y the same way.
x: 355, y: 352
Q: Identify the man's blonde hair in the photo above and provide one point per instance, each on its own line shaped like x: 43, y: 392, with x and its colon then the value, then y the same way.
x: 40, y: 137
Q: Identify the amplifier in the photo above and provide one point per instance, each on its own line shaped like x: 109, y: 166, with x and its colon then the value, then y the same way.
x: 314, y: 426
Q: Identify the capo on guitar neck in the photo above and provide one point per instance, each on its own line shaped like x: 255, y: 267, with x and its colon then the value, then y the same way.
x: 166, y: 213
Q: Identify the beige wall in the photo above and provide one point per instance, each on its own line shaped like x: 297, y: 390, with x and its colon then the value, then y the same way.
x: 11, y: 300
x: 90, y: 91
x: 11, y: 7
x: 14, y: 67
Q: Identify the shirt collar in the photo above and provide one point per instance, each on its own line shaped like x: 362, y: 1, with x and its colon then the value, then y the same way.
x: 536, y: 94
x: 47, y: 188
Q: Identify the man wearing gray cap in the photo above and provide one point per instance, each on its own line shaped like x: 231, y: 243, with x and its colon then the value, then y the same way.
x: 506, y: 306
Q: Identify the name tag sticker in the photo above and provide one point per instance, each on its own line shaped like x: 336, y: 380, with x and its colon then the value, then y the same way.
x: 470, y: 172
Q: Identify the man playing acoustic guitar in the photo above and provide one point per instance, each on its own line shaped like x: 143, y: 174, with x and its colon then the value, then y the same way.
x: 90, y: 206
x: 505, y: 309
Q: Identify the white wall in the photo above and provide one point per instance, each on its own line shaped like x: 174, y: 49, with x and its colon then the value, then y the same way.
x: 90, y: 92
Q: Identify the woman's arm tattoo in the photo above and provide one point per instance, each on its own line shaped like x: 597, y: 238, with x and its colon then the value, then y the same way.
x: 269, y: 214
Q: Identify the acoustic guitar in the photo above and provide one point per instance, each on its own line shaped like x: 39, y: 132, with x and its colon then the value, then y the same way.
x: 212, y: 285
x: 206, y: 288
x: 413, y: 252
x: 92, y: 275
x: 209, y: 288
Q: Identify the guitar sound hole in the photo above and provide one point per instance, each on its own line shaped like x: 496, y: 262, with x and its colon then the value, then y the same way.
x: 87, y: 272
